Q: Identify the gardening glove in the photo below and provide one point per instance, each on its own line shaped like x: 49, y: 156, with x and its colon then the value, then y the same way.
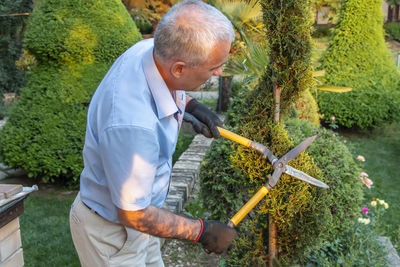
x: 206, y: 117
x: 198, y: 127
x: 215, y: 236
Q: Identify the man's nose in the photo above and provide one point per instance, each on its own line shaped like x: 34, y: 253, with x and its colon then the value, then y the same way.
x: 218, y: 72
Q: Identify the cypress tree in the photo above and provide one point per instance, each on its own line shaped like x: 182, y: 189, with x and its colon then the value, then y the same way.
x: 358, y: 57
x: 74, y: 43
x: 304, y: 215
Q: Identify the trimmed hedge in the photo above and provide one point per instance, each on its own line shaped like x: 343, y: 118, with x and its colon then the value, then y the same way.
x: 74, y: 43
x: 358, y: 57
x: 305, y: 216
x: 316, y: 215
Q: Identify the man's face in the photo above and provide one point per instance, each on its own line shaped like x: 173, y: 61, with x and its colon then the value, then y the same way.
x: 194, y: 77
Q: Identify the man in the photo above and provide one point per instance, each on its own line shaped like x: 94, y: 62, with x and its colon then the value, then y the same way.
x: 132, y: 128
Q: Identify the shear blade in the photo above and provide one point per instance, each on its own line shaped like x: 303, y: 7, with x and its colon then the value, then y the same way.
x: 304, y: 177
x: 298, y: 149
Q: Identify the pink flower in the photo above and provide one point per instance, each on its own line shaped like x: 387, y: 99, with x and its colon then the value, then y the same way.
x: 333, y: 118
x: 373, y: 198
x: 206, y: 83
x: 361, y: 158
x: 212, y: 84
x: 363, y: 174
x: 366, y: 181
x: 365, y: 210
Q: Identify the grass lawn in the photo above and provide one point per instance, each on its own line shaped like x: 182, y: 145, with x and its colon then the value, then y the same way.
x: 381, y: 149
x: 46, y: 238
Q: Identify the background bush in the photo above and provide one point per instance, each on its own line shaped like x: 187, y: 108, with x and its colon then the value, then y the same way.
x: 74, y: 43
x: 358, y: 57
x: 11, y: 35
x: 393, y: 30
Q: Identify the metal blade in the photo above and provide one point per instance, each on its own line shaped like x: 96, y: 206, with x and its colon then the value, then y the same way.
x: 298, y: 149
x: 304, y: 177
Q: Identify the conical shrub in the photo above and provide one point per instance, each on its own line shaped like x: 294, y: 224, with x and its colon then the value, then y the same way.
x: 74, y: 43
x: 358, y: 57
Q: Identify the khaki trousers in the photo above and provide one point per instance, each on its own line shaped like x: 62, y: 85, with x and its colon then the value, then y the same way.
x: 103, y: 243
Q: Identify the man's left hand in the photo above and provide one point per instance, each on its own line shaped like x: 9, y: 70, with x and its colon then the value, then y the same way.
x: 204, y: 116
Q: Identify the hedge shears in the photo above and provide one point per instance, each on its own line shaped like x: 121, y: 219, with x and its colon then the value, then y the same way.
x: 279, y: 165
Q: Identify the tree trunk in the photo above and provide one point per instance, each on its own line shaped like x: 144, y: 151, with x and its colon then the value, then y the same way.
x: 226, y: 92
x: 390, y: 14
x: 396, y: 13
x: 273, y: 232
x: 273, y: 242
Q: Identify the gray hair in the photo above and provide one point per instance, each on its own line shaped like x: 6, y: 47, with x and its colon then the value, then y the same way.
x: 189, y: 31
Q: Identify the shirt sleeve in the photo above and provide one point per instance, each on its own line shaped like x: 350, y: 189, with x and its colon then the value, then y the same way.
x: 130, y: 158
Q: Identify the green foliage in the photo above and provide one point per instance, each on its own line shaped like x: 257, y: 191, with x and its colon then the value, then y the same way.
x: 393, y: 30
x: 287, y: 26
x: 363, y: 107
x: 308, y: 217
x: 359, y: 246
x: 357, y: 57
x: 74, y: 43
x: 321, y: 31
x: 222, y: 189
x: 11, y: 34
x: 305, y: 108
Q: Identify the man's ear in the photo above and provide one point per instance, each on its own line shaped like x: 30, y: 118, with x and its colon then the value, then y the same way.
x: 177, y: 69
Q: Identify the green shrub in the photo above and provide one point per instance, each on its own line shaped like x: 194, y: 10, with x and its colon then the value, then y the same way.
x: 308, y: 217
x: 357, y: 57
x: 74, y: 43
x: 305, y: 108
x: 222, y: 190
x: 321, y: 31
x: 393, y: 30
x: 361, y: 245
x: 11, y: 34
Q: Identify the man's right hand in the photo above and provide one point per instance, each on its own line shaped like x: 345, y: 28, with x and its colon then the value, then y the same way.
x: 216, y: 236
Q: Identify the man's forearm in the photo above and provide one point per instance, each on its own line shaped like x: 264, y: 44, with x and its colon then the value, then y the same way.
x: 161, y: 223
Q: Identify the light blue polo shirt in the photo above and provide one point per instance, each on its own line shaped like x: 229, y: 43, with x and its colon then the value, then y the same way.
x: 131, y: 135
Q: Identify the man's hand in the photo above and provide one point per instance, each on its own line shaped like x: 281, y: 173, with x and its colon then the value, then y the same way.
x: 198, y: 126
x: 206, y: 117
x: 216, y: 236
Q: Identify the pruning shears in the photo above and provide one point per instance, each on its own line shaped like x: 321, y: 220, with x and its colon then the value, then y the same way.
x: 279, y: 165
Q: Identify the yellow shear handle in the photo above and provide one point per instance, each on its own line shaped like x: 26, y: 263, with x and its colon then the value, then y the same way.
x: 248, y: 206
x: 234, y: 137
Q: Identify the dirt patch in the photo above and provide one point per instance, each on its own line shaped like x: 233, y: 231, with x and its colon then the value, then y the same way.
x: 178, y: 253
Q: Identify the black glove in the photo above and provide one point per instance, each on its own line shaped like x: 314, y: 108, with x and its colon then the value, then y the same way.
x: 205, y: 116
x: 216, y: 236
x: 198, y: 127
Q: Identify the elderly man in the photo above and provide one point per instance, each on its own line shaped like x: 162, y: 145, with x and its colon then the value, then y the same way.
x: 132, y: 129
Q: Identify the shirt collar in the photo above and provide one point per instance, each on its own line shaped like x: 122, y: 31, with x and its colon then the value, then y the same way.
x: 162, y: 97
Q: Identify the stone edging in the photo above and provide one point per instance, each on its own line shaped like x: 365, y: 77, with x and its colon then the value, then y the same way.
x: 185, y: 173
